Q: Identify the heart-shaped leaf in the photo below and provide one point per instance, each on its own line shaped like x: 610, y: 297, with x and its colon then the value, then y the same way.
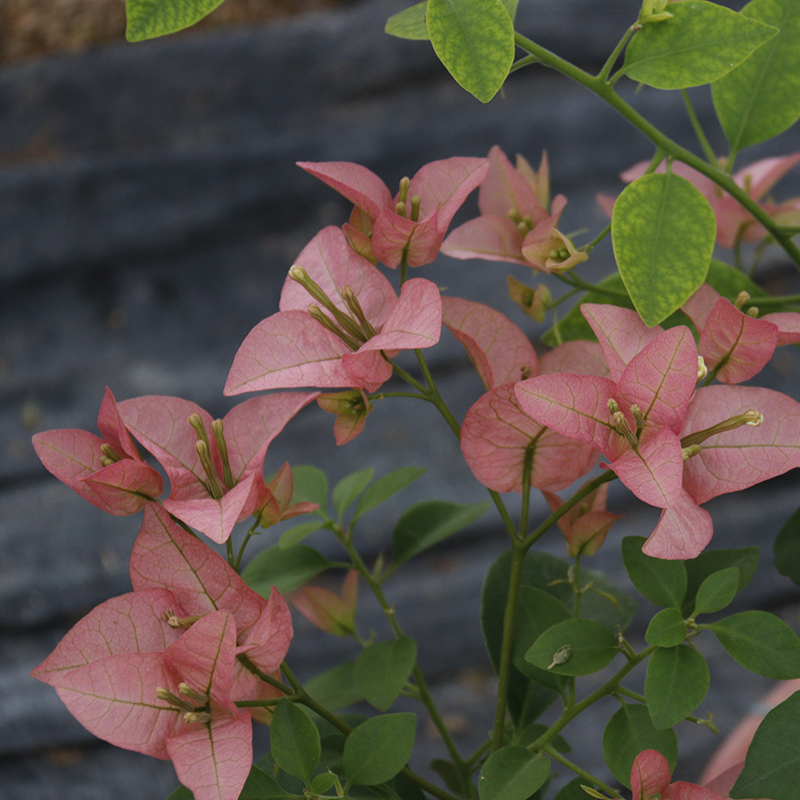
x: 761, y: 97
x: 663, y: 232
x: 700, y: 44
x: 474, y: 39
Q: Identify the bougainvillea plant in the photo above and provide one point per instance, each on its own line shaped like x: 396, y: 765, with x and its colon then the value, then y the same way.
x: 642, y: 384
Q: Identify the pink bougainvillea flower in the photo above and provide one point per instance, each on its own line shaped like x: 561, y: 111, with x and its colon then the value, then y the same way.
x: 586, y: 524
x: 733, y: 222
x: 329, y: 612
x: 108, y: 472
x: 166, y: 556
x: 342, y: 346
x: 733, y: 437
x: 650, y: 776
x: 411, y: 225
x: 177, y: 580
x: 634, y: 421
x: 734, y: 345
x: 498, y: 438
x: 500, y: 351
x: 515, y: 224
x: 215, y: 467
x: 172, y: 703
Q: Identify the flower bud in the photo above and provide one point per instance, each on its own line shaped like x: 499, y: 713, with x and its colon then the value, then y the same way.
x: 328, y: 612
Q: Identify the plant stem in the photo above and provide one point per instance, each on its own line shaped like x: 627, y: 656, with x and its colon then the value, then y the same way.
x: 422, y: 686
x: 698, y: 129
x: 606, y: 477
x: 246, y: 539
x: 606, y: 92
x: 507, y: 651
x: 342, y: 726
x: 523, y: 62
x: 615, y: 53
x: 609, y: 687
x: 582, y: 773
x: 587, y: 248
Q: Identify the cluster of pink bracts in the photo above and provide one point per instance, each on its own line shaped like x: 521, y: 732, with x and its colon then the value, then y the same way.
x: 160, y: 670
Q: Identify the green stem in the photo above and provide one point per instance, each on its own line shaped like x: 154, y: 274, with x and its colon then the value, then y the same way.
x: 582, y: 773
x: 507, y: 651
x: 789, y: 299
x: 640, y: 698
x: 577, y: 587
x: 264, y: 703
x: 436, y: 398
x: 698, y: 129
x: 248, y: 535
x: 229, y: 553
x: 410, y: 380
x: 609, y: 687
x: 587, y: 248
x: 607, y: 476
x: 579, y: 283
x: 722, y: 179
x: 523, y: 62
x: 615, y: 53
x: 422, y: 686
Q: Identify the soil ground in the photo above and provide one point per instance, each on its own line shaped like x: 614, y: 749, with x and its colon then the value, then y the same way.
x: 31, y: 28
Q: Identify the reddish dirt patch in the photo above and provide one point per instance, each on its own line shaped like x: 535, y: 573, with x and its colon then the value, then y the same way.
x: 41, y: 27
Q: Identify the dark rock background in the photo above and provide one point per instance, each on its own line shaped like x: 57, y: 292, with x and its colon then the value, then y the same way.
x: 149, y: 210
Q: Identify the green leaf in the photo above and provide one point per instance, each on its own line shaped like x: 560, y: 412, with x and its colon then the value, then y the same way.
x: 448, y: 773
x: 574, y: 647
x: 537, y: 612
x: 787, y: 549
x: 323, y: 782
x: 572, y: 790
x: 629, y: 732
x: 773, y: 759
x: 385, y: 487
x: 430, y: 522
x: 666, y: 629
x: 760, y: 642
x: 727, y: 280
x: 292, y: 536
x: 663, y: 232
x: 335, y: 688
x: 761, y: 97
x: 409, y: 23
x: 512, y: 773
x: 258, y: 786
x: 310, y: 486
x: 150, y: 18
x: 474, y: 39
x: 701, y: 43
x: 745, y: 559
x: 284, y: 569
x: 349, y: 488
x: 717, y: 591
x: 530, y: 733
x: 294, y: 741
x: 382, y: 670
x: 677, y: 682
x: 661, y: 582
x: 377, y: 750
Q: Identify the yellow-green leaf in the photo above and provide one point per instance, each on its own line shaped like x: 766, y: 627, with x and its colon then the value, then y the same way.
x: 474, y: 39
x: 761, y: 98
x: 150, y: 18
x: 663, y: 232
x: 700, y: 44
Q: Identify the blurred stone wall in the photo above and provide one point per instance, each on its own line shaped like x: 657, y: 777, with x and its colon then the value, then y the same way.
x: 149, y: 210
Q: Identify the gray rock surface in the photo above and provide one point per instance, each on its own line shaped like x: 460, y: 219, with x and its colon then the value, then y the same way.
x: 150, y: 209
